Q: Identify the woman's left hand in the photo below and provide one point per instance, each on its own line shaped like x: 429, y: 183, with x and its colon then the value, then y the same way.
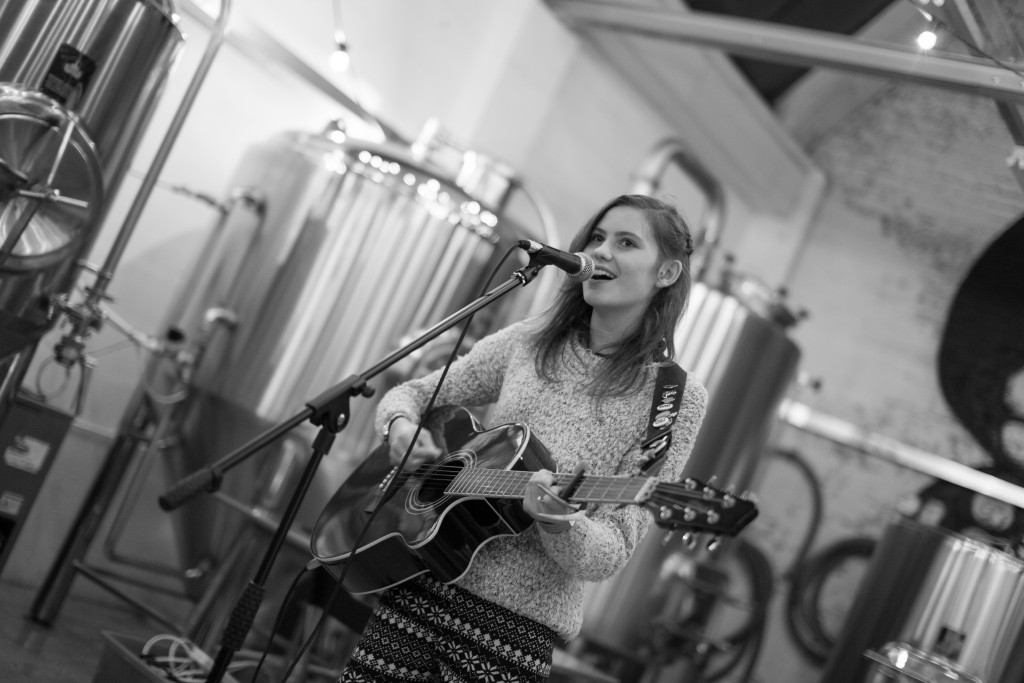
x: 541, y: 501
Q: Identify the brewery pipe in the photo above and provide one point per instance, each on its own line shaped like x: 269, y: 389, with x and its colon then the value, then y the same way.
x: 648, y: 180
x: 88, y: 315
x: 845, y: 433
x: 796, y: 46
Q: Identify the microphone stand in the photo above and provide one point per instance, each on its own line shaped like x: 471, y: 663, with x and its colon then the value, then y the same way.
x: 330, y: 412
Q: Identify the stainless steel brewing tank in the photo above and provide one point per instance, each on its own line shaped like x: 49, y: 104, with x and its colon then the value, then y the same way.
x: 106, y: 61
x: 359, y: 246
x: 945, y: 605
x: 735, y: 341
x: 736, y: 344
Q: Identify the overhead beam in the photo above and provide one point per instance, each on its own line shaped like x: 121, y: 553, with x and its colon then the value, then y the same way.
x: 797, y: 46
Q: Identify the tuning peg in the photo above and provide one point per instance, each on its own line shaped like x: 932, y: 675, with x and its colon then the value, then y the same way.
x: 713, y: 517
x: 689, y: 540
x: 729, y: 496
x: 668, y: 537
x: 689, y: 514
x: 690, y: 484
x: 714, y: 544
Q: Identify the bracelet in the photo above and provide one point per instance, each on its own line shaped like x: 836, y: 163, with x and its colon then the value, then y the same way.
x: 547, y: 527
x: 386, y: 433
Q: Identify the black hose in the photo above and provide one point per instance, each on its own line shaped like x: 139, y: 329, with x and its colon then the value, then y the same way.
x: 814, y: 487
x: 746, y: 642
x: 803, y: 614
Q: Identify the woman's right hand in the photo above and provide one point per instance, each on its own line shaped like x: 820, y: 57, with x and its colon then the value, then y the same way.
x: 399, y: 438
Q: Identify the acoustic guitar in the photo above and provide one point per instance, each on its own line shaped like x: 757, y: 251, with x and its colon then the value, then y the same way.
x: 437, y: 518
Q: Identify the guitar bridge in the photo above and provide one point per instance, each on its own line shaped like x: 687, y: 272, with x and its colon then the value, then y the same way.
x: 378, y: 495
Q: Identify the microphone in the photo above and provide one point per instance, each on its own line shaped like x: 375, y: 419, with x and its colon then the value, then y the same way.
x: 579, y: 266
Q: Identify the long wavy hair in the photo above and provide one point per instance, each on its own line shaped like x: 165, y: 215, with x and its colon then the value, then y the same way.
x: 653, y: 341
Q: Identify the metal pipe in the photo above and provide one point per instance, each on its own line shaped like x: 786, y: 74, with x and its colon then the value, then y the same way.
x: 88, y: 316
x: 142, y: 414
x: 156, y: 616
x: 798, y: 46
x: 96, y: 293
x: 649, y: 177
x: 133, y: 490
x: 544, y: 292
x: 263, y: 519
x: 984, y: 30
x: 848, y: 434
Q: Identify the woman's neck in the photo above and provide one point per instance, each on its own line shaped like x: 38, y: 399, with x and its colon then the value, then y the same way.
x: 608, y: 332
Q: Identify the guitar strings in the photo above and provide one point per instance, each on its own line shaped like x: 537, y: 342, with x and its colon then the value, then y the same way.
x: 519, y: 477
x: 695, y: 501
x: 514, y: 476
x: 520, y: 474
x: 502, y: 483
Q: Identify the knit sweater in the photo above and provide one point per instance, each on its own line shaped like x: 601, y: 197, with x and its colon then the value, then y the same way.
x: 538, y: 574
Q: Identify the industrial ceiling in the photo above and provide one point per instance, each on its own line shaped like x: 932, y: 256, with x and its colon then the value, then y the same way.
x: 772, y: 79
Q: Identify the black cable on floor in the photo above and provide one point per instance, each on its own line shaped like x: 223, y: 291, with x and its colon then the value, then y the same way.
x: 795, y: 459
x: 803, y: 614
x: 746, y: 642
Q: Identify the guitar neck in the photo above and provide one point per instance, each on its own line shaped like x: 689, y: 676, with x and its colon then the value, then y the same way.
x: 512, y: 484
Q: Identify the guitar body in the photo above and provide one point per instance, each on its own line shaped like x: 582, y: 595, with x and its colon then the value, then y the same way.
x: 419, y: 527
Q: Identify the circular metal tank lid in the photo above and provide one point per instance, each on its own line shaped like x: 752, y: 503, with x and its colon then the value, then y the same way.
x: 51, y: 184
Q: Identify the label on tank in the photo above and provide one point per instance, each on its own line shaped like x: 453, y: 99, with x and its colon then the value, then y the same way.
x: 950, y: 643
x: 68, y: 76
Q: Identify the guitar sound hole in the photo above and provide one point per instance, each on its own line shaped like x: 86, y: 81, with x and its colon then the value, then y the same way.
x: 437, y: 480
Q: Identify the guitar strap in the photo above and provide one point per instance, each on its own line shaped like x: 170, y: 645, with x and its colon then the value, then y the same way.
x: 668, y: 396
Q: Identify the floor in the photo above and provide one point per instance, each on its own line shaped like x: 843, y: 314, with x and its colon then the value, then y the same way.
x: 94, y: 641
x: 66, y: 652
x: 78, y: 647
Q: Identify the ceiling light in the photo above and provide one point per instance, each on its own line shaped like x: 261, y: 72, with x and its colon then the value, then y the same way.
x: 927, y: 39
x: 340, y: 58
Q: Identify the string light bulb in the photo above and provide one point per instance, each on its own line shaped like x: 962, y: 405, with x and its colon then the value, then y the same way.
x: 340, y: 58
x: 927, y: 39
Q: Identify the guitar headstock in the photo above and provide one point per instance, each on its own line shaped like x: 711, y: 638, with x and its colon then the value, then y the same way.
x: 693, y: 505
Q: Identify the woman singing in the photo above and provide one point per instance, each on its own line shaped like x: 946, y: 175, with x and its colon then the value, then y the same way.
x: 582, y: 377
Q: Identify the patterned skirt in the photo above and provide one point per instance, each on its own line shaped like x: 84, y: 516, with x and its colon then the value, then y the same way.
x: 424, y: 630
